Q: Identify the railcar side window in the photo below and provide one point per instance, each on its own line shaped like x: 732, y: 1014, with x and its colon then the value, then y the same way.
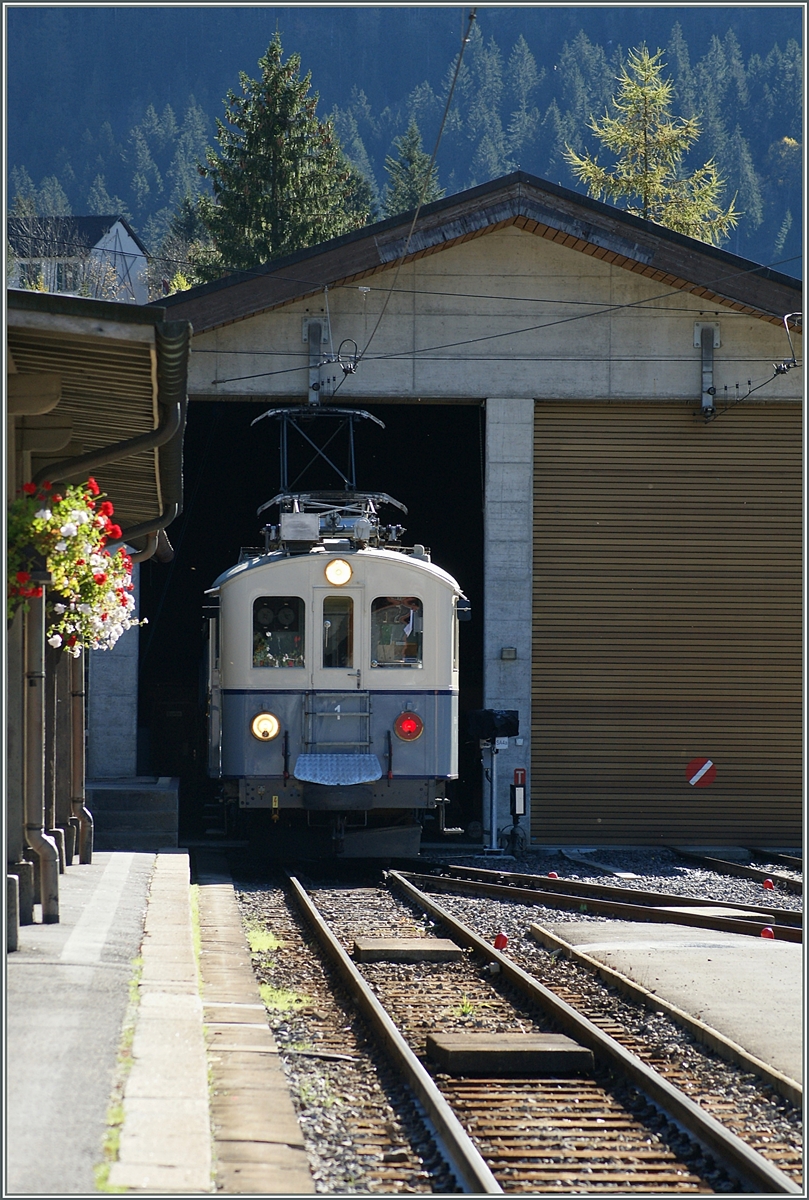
x: 338, y: 631
x: 396, y: 631
x: 278, y: 631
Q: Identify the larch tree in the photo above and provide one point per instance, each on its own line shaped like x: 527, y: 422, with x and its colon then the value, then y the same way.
x: 649, y: 145
x: 279, y: 178
x: 410, y: 179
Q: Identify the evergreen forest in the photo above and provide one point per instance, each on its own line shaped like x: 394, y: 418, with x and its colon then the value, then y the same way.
x: 104, y: 136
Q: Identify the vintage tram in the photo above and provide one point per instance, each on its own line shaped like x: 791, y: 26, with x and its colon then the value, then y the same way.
x: 333, y: 680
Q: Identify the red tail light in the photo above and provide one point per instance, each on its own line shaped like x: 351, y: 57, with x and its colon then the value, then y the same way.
x: 408, y: 726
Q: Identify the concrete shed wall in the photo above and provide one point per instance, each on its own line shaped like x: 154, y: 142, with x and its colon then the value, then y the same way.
x: 505, y: 314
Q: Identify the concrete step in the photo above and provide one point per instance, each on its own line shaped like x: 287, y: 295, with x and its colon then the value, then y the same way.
x: 144, y: 841
x: 134, y: 814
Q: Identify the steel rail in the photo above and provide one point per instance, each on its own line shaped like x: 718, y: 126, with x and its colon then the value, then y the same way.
x: 733, y: 868
x: 787, y: 860
x: 458, y: 1148
x: 725, y: 1047
x: 616, y: 892
x: 751, y: 926
x: 734, y: 1154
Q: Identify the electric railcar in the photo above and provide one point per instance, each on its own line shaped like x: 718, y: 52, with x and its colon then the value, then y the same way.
x: 333, y: 680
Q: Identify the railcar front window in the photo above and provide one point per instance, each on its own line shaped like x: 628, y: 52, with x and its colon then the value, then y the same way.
x: 396, y: 631
x: 338, y: 631
x: 278, y: 631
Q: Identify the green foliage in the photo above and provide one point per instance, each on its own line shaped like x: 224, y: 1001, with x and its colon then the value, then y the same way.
x: 280, y: 181
x: 411, y: 179
x: 517, y: 107
x: 48, y: 200
x: 282, y: 999
x: 649, y: 146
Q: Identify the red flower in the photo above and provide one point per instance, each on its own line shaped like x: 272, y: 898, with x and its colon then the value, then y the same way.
x: 36, y: 592
x: 79, y: 562
x: 102, y: 543
x: 23, y: 576
x: 93, y: 486
x: 57, y: 499
x: 90, y: 503
x: 100, y: 577
x: 114, y: 531
x: 71, y: 641
x: 29, y: 488
x: 46, y: 486
x: 103, y: 616
x: 106, y: 509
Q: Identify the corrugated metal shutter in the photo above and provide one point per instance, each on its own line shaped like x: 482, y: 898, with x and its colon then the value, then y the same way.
x: 666, y: 624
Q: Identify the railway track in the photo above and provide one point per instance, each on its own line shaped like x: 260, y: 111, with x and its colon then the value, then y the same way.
x: 742, y: 871
x: 628, y: 903
x: 363, y: 1131
x: 625, y: 1127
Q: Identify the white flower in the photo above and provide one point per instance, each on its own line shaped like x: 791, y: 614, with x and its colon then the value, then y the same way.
x: 59, y: 608
x: 69, y: 529
x: 44, y: 514
x: 85, y: 608
x: 55, y: 639
x: 61, y: 546
x: 79, y: 517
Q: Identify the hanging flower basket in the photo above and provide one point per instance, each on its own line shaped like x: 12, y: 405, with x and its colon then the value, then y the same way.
x: 89, y: 601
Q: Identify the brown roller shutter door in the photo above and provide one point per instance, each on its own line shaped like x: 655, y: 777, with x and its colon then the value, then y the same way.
x: 666, y: 624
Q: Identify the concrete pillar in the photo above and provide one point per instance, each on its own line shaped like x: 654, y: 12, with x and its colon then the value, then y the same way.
x: 81, y: 813
x: 34, y: 787
x: 508, y: 565
x: 112, y: 705
x: 62, y: 752
x: 15, y: 802
x: 12, y: 912
x: 52, y: 657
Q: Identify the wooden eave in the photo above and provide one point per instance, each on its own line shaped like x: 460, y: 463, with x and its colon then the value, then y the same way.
x: 538, y: 207
x: 108, y: 361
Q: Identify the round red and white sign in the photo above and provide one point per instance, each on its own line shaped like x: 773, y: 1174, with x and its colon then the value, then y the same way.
x: 700, y: 772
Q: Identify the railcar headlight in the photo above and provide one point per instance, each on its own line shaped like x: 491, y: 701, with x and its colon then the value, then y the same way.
x: 265, y: 726
x: 408, y: 726
x: 338, y: 572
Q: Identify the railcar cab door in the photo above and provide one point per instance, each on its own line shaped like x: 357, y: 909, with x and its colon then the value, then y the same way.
x: 339, y: 626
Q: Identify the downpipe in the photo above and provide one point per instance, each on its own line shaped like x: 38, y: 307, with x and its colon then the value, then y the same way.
x: 42, y: 845
x: 77, y: 804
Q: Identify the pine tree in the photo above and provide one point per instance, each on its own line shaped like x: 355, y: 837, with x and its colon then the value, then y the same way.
x: 649, y: 145
x: 409, y: 182
x: 280, y: 180
x: 524, y: 78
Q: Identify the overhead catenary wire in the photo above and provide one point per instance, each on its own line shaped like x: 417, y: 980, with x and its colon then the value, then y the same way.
x: 424, y: 186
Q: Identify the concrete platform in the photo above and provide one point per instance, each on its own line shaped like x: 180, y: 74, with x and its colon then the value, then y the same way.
x: 749, y: 989
x: 202, y: 1101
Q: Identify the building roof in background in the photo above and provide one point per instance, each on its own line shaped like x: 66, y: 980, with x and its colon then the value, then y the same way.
x: 525, y: 201
x: 122, y: 367
x: 62, y: 237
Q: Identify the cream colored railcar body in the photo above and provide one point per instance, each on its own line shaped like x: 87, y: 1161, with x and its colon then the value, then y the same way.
x: 334, y: 692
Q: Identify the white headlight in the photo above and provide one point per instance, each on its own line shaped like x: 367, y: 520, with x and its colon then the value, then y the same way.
x: 265, y: 726
x: 338, y: 572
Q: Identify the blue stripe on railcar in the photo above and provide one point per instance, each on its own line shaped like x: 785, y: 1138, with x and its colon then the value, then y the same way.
x: 315, y: 727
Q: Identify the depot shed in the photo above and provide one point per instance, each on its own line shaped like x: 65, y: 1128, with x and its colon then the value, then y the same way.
x: 642, y: 483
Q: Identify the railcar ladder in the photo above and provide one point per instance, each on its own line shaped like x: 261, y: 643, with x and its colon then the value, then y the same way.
x: 347, y: 713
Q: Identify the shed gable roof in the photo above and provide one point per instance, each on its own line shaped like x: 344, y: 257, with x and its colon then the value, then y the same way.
x: 522, y: 200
